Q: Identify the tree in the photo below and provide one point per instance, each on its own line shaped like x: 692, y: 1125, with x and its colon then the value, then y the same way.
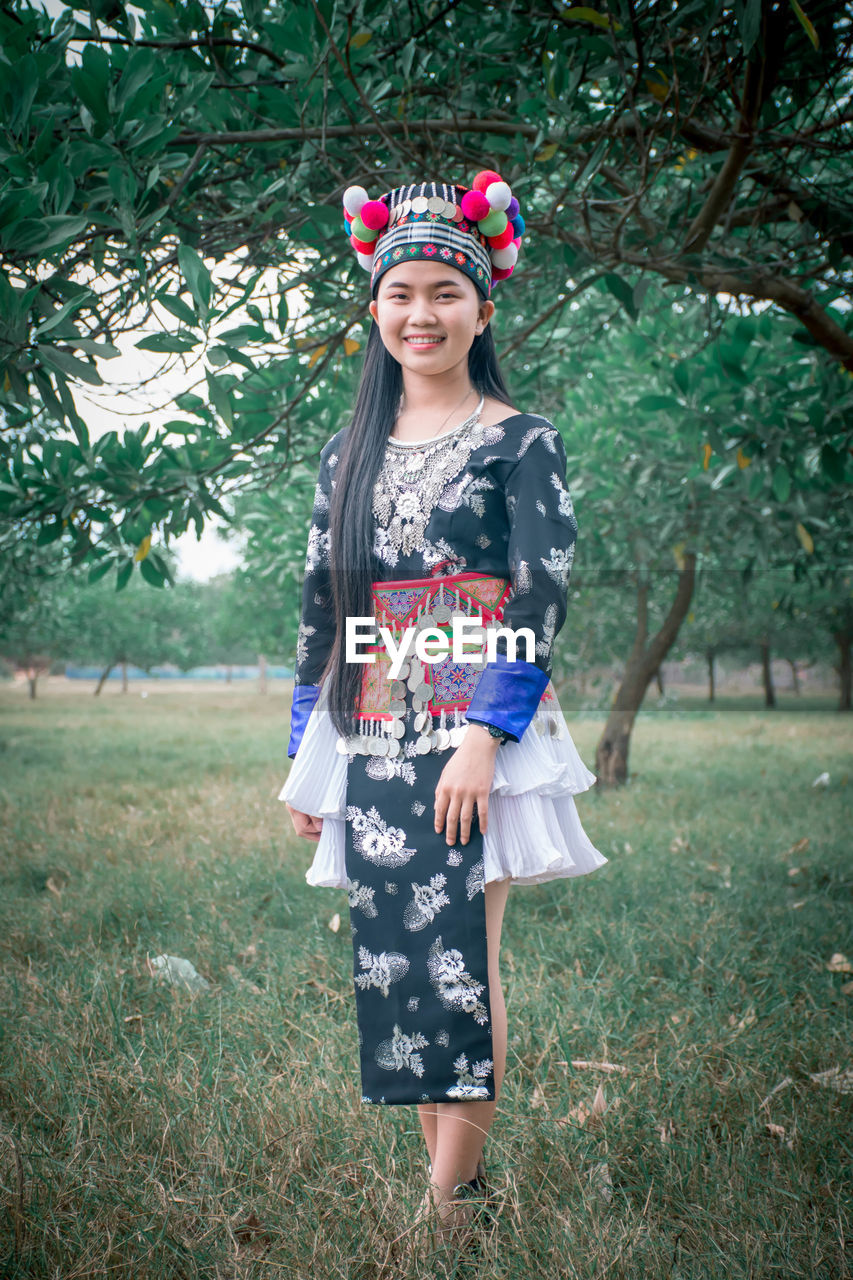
x: 154, y: 185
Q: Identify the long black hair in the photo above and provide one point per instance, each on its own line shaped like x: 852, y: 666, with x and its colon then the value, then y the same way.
x: 353, y: 564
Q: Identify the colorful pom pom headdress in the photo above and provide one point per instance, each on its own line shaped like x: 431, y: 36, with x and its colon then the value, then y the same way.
x: 478, y: 231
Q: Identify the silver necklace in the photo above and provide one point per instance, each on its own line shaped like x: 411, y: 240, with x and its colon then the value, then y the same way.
x: 418, y: 444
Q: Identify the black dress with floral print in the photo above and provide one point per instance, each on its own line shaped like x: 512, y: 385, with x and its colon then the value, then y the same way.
x: 493, y: 499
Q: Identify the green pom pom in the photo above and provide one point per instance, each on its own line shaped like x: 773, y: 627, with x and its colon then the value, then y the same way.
x: 494, y: 224
x: 360, y: 231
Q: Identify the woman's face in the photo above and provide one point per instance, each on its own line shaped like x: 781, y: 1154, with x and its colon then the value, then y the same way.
x: 428, y: 315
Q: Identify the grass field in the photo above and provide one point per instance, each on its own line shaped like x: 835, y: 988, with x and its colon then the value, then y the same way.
x: 148, y: 1132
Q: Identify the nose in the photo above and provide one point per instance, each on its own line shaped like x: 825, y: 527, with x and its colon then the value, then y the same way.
x: 423, y: 311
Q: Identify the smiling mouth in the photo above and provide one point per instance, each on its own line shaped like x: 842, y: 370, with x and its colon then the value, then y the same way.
x: 423, y: 342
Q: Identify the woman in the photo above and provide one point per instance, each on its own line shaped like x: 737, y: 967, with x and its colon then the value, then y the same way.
x: 432, y: 785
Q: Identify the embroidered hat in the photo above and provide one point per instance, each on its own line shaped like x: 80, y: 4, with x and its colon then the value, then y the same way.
x: 478, y: 231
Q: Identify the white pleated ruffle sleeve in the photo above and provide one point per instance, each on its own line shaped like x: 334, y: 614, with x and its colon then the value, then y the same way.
x: 533, y: 833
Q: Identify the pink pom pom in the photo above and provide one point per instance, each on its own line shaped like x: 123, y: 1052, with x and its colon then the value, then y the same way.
x: 361, y: 246
x: 475, y: 206
x: 484, y: 179
x: 501, y: 273
x: 517, y: 241
x: 501, y: 241
x: 374, y: 214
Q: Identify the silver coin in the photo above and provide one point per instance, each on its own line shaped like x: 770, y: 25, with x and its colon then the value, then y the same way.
x: 393, y: 748
x: 404, y: 675
x: 458, y: 215
x: 405, y: 208
x: 436, y: 204
x: 539, y: 727
x: 441, y: 613
x: 420, y: 204
x: 398, y: 730
x: 398, y: 689
x: 423, y: 745
x: 424, y: 692
x: 397, y: 707
x: 457, y: 733
x: 421, y: 719
x: 442, y: 739
x: 341, y: 747
x: 426, y: 621
x: 417, y: 704
x: 382, y: 746
x: 553, y: 728
x: 449, y: 209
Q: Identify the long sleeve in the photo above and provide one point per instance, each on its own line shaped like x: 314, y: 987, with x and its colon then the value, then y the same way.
x: 540, y: 551
x: 316, y: 633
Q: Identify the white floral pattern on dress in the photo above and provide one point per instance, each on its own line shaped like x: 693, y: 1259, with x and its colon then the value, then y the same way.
x: 469, y: 1084
x: 399, y: 1052
x: 559, y: 565
x: 475, y: 881
x: 375, y: 840
x: 549, y: 626
x: 361, y: 897
x: 427, y: 902
x: 382, y: 969
x: 382, y: 768
x: 454, y: 986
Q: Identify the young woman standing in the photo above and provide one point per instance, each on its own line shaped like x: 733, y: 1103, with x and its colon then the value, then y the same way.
x: 431, y: 786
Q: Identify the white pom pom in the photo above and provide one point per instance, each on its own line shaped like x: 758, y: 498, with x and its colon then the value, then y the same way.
x: 354, y: 198
x: 505, y: 257
x: 498, y: 195
x: 365, y: 260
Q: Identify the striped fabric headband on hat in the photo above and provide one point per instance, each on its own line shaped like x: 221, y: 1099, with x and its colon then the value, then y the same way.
x: 478, y: 231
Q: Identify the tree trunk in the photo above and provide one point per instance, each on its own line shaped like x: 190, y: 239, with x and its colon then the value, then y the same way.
x: 124, y: 676
x: 611, y: 756
x: 767, y: 675
x: 709, y: 658
x: 843, y: 640
x: 262, y: 673
x: 103, y: 678
x: 659, y: 680
x: 229, y: 669
x: 32, y: 677
x: 795, y: 676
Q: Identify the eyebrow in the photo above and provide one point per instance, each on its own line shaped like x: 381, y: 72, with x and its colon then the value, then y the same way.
x: 440, y: 284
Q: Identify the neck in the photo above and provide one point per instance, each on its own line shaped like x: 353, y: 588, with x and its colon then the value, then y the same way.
x: 438, y: 393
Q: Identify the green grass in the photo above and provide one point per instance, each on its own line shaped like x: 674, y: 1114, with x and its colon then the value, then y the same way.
x: 146, y: 1132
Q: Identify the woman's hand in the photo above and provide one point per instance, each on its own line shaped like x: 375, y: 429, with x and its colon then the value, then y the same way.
x: 466, y: 780
x: 303, y: 824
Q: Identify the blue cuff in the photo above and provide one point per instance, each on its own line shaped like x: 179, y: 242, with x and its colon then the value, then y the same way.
x: 304, y: 697
x: 507, y: 694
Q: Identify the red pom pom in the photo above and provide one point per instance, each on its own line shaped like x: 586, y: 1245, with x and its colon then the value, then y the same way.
x: 501, y: 273
x: 362, y: 246
x: 347, y: 218
x: 484, y: 179
x: 505, y: 238
x: 475, y: 206
x: 374, y: 214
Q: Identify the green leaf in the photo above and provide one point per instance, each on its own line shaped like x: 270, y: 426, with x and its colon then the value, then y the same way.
x: 178, y: 308
x: 165, y: 342
x: 61, y: 314
x: 150, y: 573
x: 62, y: 362
x: 123, y: 575
x: 781, y: 482
x: 196, y: 275
x: 32, y: 235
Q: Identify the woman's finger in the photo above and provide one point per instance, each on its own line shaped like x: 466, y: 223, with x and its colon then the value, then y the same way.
x: 441, y: 802
x: 466, y: 816
x: 453, y: 819
x: 483, y: 812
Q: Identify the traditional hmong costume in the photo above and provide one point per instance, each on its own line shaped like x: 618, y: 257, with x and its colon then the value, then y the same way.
x: 475, y: 524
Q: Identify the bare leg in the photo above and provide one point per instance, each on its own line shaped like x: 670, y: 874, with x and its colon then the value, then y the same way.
x: 456, y: 1131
